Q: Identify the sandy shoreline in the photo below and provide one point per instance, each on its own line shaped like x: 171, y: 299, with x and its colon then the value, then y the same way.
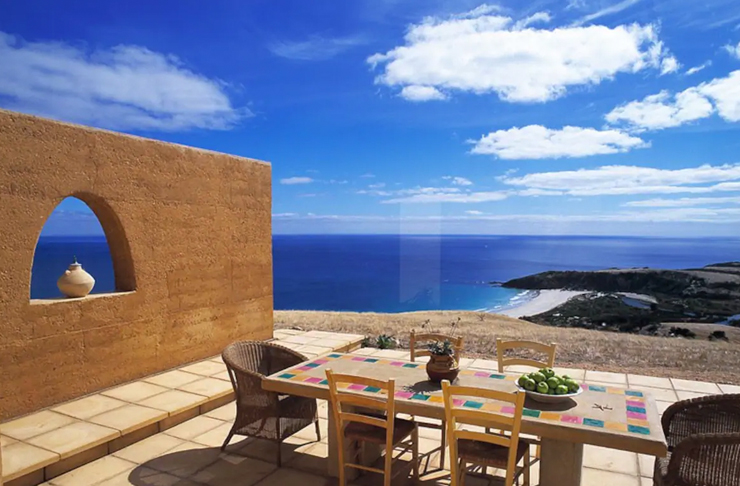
x: 543, y: 302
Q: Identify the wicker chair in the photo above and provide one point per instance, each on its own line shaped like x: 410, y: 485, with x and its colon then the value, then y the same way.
x: 259, y: 413
x: 703, y: 436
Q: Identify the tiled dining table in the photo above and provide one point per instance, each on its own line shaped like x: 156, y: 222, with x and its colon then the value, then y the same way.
x: 605, y: 416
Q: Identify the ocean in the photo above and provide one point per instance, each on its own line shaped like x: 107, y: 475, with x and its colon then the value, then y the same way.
x: 400, y: 273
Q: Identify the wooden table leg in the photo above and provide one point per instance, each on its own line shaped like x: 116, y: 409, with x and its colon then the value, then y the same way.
x: 560, y: 463
x: 370, y: 452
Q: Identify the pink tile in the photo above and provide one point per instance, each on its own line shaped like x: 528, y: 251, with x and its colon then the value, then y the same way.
x: 507, y: 410
x: 635, y: 415
x: 313, y: 379
x: 635, y: 404
x: 403, y: 394
x: 481, y: 374
x: 571, y: 419
x: 397, y: 363
x: 358, y: 358
x: 457, y: 402
x: 321, y: 361
x: 304, y: 368
x: 355, y: 386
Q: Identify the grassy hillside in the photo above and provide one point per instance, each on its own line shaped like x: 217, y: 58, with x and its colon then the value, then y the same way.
x: 696, y: 359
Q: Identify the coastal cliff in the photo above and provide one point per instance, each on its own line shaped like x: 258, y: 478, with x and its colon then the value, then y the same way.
x: 709, y: 294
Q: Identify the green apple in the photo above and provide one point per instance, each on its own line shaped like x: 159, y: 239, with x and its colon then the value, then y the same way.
x: 538, y: 377
x: 542, y: 387
x: 548, y: 372
x: 551, y: 391
x: 572, y: 386
x: 561, y: 390
x: 565, y: 378
x: 522, y: 380
x: 553, y: 382
x: 530, y: 385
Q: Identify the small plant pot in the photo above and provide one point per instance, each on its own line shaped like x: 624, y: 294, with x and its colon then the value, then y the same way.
x: 442, y: 368
x: 76, y: 282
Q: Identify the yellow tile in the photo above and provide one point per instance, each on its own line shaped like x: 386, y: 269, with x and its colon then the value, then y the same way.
x: 550, y: 416
x: 129, y: 418
x: 491, y: 407
x: 215, y: 437
x: 35, y: 424
x: 226, y: 412
x: 135, y: 392
x: 20, y: 459
x: 148, y: 448
x: 173, y: 401
x: 193, y: 427
x: 436, y: 399
x: 642, y: 423
x: 87, y: 407
x: 621, y: 427
x: 74, y: 438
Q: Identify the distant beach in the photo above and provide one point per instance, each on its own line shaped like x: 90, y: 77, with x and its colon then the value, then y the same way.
x: 542, y: 301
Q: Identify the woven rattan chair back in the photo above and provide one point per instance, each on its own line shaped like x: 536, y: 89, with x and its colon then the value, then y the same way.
x: 548, y: 350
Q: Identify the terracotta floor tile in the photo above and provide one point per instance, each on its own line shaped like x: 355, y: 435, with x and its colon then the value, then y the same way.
x: 172, y: 379
x: 173, y: 401
x: 185, y: 460
x: 194, y: 427
x: 134, y: 392
x: 144, y: 476
x: 598, y: 477
x: 209, y: 387
x: 149, y: 448
x: 688, y: 395
x: 365, y: 351
x: 646, y: 463
x: 696, y: 386
x: 485, y: 364
x: 299, y: 339
x: 576, y: 374
x: 215, y: 437
x: 285, y: 477
x: 204, y: 368
x: 73, y: 438
x: 129, y: 418
x: 87, y: 407
x: 661, y: 394
x: 392, y: 353
x: 649, y: 381
x: 35, y: 424
x: 312, y: 349
x: 232, y: 470
x: 21, y: 458
x: 94, y: 472
x: 606, y: 377
x: 226, y: 412
x: 610, y: 460
x: 5, y: 441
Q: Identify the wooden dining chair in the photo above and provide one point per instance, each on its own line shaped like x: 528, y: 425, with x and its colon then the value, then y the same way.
x: 379, y: 425
x: 457, y: 344
x: 547, y: 349
x: 499, y: 451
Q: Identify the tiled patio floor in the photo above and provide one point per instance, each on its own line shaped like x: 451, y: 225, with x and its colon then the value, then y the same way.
x: 187, y: 453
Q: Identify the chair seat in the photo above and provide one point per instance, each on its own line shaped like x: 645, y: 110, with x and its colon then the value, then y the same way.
x: 487, y: 454
x: 371, y: 433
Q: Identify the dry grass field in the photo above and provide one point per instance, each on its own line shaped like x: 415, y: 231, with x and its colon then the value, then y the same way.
x: 694, y: 359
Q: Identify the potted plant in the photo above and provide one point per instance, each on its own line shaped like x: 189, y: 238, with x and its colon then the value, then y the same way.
x: 443, y: 362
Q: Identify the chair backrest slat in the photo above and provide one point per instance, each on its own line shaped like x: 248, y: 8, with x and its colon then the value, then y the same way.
x: 547, y: 349
x: 416, y: 339
x: 455, y: 414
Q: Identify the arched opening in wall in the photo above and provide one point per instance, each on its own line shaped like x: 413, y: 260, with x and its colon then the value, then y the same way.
x: 83, y: 227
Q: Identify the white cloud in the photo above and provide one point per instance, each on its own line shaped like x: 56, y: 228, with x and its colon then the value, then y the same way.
x: 663, y: 110
x: 475, y: 213
x: 284, y: 215
x: 610, y: 10
x: 440, y: 196
x: 422, y: 93
x: 698, y: 68
x: 125, y: 88
x: 315, y: 48
x: 482, y: 52
x: 458, y: 181
x: 367, y: 176
x: 734, y: 51
x: 296, y: 180
x: 725, y: 92
x: 379, y: 185
x: 669, y: 65
x: 625, y: 180
x: 538, y: 142
x: 682, y: 202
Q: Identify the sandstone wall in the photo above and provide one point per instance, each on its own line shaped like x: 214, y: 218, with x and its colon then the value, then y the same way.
x: 190, y: 238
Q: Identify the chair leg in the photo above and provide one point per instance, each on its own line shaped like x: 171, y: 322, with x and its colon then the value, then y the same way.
x: 318, y: 430
x: 228, y: 439
x: 527, y: 463
x: 279, y: 454
x: 415, y: 452
x: 462, y: 473
x: 444, y: 446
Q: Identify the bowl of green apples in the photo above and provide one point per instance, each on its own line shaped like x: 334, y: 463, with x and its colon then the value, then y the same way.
x: 545, y: 386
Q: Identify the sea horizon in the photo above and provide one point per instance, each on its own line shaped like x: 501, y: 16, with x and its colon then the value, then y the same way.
x: 391, y: 273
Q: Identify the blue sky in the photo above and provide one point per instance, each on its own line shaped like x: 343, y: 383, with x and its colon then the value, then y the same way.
x: 434, y: 116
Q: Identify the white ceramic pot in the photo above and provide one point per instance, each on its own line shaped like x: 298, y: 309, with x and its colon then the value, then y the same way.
x: 76, y: 282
